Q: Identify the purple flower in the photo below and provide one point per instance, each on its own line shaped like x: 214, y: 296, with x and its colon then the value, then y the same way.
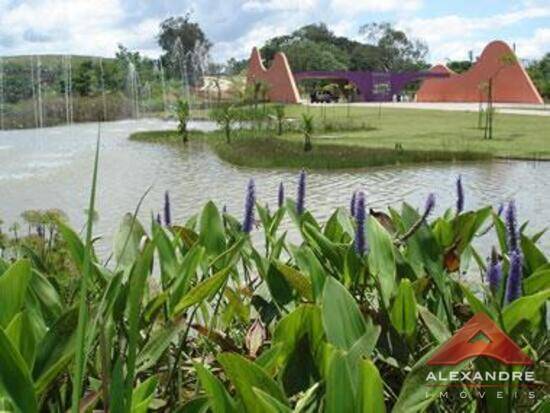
x: 430, y: 205
x: 512, y: 226
x: 494, y: 272
x: 360, y: 215
x: 500, y: 209
x: 224, y: 209
x: 159, y: 221
x: 167, y: 215
x: 459, y: 195
x: 281, y: 195
x: 513, y: 286
x: 352, y: 204
x: 301, y: 196
x: 250, y: 201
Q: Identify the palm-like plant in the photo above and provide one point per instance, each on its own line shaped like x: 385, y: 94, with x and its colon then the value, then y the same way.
x: 280, y: 115
x: 307, y: 129
x: 183, y: 112
x: 225, y: 116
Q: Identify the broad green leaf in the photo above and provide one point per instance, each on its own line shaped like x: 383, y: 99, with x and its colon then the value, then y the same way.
x: 323, y: 245
x: 270, y: 403
x: 415, y: 395
x: 245, y: 375
x: 116, y: 399
x: 534, y: 257
x: 523, y: 309
x: 340, y: 387
x: 21, y: 333
x: 126, y: 240
x: 15, y: 379
x: 297, y: 280
x: 13, y: 287
x: 381, y: 258
x: 55, y: 350
x: 143, y: 395
x: 189, y: 267
x: 536, y: 282
x: 203, y: 290
x: 212, y: 235
x: 371, y: 389
x: 220, y: 400
x: 157, y: 345
x: 437, y: 328
x: 138, y: 280
x: 403, y: 312
x: 477, y: 305
x: 343, y: 322
x: 309, y: 264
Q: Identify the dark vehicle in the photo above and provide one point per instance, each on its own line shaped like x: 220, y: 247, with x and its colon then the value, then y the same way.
x: 323, y: 97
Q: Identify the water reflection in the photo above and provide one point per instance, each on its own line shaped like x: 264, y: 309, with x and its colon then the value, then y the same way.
x: 51, y: 168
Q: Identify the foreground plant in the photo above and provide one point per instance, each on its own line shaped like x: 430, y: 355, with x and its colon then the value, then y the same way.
x: 199, y: 316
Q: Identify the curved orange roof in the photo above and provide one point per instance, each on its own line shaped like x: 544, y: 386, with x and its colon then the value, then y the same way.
x: 511, y: 83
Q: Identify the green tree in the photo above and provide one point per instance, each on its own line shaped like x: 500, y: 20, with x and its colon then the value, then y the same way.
x: 396, y: 52
x: 459, y: 66
x: 85, y: 78
x: 188, y: 35
x: 539, y: 71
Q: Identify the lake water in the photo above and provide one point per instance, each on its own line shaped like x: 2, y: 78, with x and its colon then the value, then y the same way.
x: 52, y: 168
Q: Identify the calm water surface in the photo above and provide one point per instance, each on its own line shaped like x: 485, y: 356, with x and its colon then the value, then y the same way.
x: 51, y: 168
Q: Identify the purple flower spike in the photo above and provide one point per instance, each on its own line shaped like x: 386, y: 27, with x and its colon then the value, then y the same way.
x: 459, y: 195
x: 512, y: 226
x: 281, y: 195
x: 494, y: 272
x: 248, y: 221
x: 430, y: 205
x: 360, y: 215
x: 513, y: 286
x: 301, y: 196
x: 167, y: 214
x: 159, y: 221
x: 352, y: 204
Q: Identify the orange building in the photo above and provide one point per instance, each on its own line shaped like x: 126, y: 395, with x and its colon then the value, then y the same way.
x: 510, y: 81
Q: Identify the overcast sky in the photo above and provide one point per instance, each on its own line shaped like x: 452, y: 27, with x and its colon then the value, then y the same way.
x: 95, y: 27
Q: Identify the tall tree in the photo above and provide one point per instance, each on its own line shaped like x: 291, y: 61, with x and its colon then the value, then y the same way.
x: 396, y: 52
x: 183, y: 42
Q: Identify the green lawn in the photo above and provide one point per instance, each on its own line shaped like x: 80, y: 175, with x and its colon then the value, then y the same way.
x: 365, y: 137
x: 516, y: 136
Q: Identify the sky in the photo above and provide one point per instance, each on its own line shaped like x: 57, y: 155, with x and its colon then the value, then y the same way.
x: 96, y: 27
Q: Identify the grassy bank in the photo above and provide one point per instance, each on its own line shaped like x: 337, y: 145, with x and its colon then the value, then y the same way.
x: 365, y: 136
x: 271, y: 151
x: 279, y: 153
x: 515, y: 136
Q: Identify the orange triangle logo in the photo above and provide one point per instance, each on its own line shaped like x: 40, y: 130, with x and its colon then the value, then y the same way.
x: 464, y: 344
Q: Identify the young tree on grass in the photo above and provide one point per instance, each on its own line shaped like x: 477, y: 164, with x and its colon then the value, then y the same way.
x: 280, y: 115
x: 307, y: 129
x: 183, y: 113
x: 225, y: 116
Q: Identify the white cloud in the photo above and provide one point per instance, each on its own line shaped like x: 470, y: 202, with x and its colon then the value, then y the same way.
x: 356, y: 6
x: 452, y: 36
x: 278, y: 5
x: 256, y: 36
x: 535, y: 46
x: 79, y: 26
